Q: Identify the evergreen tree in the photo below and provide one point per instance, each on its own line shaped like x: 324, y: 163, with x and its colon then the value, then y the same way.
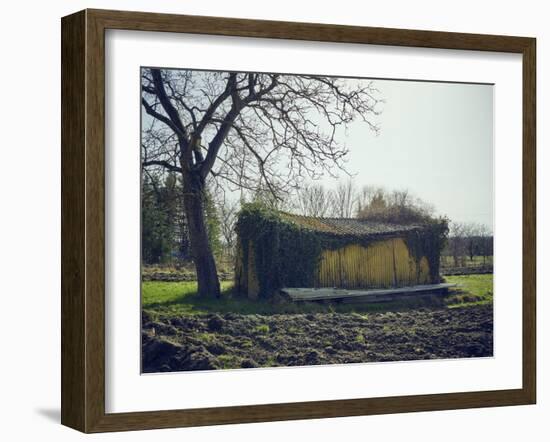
x: 155, y: 224
x: 164, y: 233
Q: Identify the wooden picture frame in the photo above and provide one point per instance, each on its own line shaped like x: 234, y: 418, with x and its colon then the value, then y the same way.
x: 83, y: 220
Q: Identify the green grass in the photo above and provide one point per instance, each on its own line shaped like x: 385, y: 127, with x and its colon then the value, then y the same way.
x: 180, y: 298
x: 229, y: 361
x: 472, y: 290
x: 207, y: 337
x: 262, y: 329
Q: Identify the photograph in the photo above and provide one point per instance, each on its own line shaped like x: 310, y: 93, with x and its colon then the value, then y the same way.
x: 304, y: 219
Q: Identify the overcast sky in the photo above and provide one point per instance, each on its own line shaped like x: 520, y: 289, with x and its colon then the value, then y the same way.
x: 436, y: 139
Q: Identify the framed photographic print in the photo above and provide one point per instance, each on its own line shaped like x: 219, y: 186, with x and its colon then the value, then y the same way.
x: 269, y: 220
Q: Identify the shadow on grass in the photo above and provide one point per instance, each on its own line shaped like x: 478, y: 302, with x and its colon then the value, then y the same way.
x: 183, y: 299
x: 180, y: 298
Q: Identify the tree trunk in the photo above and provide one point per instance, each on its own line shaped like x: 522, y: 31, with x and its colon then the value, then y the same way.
x: 205, y: 265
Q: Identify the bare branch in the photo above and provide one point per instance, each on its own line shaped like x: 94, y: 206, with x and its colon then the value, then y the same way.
x: 254, y: 130
x: 164, y: 164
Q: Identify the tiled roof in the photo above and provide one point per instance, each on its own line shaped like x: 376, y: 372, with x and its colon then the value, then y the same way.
x: 349, y: 226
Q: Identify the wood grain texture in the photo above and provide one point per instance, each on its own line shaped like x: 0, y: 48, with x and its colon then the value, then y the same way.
x: 529, y: 221
x: 95, y: 222
x: 73, y: 253
x: 145, y: 21
x: 363, y: 295
x: 83, y: 220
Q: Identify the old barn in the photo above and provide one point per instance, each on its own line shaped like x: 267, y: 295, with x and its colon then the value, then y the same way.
x: 277, y: 249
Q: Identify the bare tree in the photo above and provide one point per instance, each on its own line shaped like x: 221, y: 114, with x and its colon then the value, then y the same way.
x: 485, y: 245
x: 313, y: 200
x: 398, y: 206
x: 457, y: 243
x: 344, y: 200
x: 467, y: 240
x: 366, y: 195
x: 400, y: 198
x: 470, y: 237
x: 477, y: 240
x: 250, y: 130
x: 404, y: 199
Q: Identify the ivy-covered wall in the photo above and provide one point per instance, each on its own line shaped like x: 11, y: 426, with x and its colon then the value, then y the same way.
x: 288, y: 254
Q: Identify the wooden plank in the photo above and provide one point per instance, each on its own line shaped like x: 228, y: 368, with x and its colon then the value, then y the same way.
x: 312, y: 294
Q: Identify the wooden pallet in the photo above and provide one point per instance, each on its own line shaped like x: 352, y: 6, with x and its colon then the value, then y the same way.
x: 371, y: 295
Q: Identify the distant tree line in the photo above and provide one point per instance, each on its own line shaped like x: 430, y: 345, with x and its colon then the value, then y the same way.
x: 468, y: 240
x: 465, y: 240
x: 347, y: 200
x: 165, y: 236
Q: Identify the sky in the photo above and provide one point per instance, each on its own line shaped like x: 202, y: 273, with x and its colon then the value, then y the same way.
x: 436, y: 140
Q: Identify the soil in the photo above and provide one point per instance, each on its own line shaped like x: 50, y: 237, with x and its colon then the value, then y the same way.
x: 208, y: 342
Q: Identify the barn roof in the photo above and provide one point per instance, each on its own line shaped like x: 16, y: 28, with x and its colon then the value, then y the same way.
x: 349, y: 226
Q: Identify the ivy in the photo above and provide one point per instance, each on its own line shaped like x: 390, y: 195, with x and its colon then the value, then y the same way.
x: 429, y: 241
x: 287, y: 254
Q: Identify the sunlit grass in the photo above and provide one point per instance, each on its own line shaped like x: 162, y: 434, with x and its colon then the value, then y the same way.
x: 180, y: 298
x: 471, y: 290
